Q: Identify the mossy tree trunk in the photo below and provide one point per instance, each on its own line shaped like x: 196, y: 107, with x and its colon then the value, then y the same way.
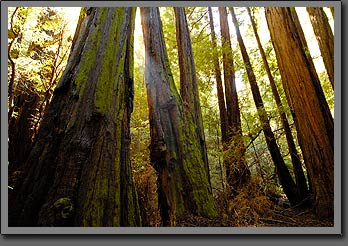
x: 301, y: 183
x: 188, y: 81
x: 312, y: 116
x: 325, y: 38
x: 78, y: 173
x: 183, y: 184
x: 237, y: 171
x: 283, y: 173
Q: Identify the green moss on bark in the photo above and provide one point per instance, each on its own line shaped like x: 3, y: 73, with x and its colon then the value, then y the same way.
x: 111, y: 73
x: 89, y: 57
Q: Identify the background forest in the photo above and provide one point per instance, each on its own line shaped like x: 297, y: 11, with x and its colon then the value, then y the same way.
x: 190, y: 116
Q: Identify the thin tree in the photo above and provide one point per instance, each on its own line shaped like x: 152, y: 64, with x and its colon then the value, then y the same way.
x: 283, y: 173
x: 296, y: 162
x: 237, y: 171
x: 219, y: 87
x: 188, y: 81
x: 312, y: 118
x: 183, y: 183
x: 79, y: 171
x: 325, y: 38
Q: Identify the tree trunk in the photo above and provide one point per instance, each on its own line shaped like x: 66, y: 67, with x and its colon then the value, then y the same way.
x: 219, y: 88
x: 78, y: 173
x: 325, y: 38
x: 237, y: 171
x: 296, y: 162
x: 183, y: 184
x: 316, y: 82
x: 312, y: 118
x: 188, y: 81
x: 21, y: 130
x: 285, y: 178
x: 332, y: 9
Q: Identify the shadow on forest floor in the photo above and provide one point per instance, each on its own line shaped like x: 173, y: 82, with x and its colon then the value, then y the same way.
x: 279, y: 217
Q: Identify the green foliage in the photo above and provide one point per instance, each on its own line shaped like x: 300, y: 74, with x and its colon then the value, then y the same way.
x: 39, y: 42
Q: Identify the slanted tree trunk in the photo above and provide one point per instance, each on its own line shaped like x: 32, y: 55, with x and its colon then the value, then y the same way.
x: 188, y: 81
x: 183, y: 184
x: 78, y: 173
x: 296, y: 162
x: 312, y: 117
x: 332, y: 9
x: 283, y: 173
x: 237, y: 171
x: 316, y: 82
x: 325, y: 38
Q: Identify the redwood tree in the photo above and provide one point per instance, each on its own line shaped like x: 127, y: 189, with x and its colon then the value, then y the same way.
x: 312, y: 116
x: 188, y: 81
x: 79, y: 173
x: 219, y: 87
x: 237, y: 171
x: 183, y: 184
x: 325, y: 38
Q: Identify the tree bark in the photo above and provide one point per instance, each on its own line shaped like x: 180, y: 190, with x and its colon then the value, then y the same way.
x: 78, y: 173
x: 284, y: 176
x: 188, y: 81
x: 219, y: 88
x: 183, y: 184
x: 301, y: 183
x: 325, y: 38
x: 312, y: 116
x: 237, y: 171
x: 21, y: 129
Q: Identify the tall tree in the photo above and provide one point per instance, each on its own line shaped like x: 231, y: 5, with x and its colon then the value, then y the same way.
x: 284, y: 176
x: 312, y: 117
x: 79, y: 173
x: 296, y: 162
x: 325, y: 38
x: 237, y: 171
x: 188, y: 81
x: 183, y: 184
x: 219, y: 87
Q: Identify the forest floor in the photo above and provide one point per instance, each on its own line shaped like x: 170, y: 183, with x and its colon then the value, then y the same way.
x: 279, y: 217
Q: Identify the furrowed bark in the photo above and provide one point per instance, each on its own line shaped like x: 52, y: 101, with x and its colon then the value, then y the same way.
x: 312, y: 117
x: 78, y: 173
x: 188, y: 81
x: 183, y: 184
